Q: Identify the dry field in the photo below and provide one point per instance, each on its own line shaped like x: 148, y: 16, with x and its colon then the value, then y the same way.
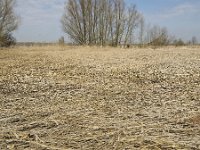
x: 68, y: 98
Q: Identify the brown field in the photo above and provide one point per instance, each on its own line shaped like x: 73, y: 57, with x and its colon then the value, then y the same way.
x: 68, y: 98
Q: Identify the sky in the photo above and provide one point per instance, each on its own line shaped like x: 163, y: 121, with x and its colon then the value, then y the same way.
x: 40, y: 19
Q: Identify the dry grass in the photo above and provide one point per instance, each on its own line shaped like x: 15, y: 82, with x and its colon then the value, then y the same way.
x: 99, y: 98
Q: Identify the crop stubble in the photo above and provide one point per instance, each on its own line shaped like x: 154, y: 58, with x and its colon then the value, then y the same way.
x: 99, y: 98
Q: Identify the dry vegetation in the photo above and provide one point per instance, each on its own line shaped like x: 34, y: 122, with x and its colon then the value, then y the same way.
x: 99, y: 98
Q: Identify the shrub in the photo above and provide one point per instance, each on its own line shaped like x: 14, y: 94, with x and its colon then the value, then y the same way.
x: 178, y: 42
x: 7, y: 40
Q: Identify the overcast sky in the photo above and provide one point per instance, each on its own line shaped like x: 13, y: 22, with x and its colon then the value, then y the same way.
x: 40, y: 19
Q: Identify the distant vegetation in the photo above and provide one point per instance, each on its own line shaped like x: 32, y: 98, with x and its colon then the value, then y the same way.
x: 100, y: 22
x: 8, y: 23
x: 96, y: 22
x: 112, y: 22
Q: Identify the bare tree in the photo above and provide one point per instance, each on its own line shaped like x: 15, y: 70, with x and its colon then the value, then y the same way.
x: 131, y: 23
x: 158, y: 36
x: 119, y: 6
x: 100, y: 22
x: 194, y: 40
x: 61, y: 41
x: 8, y: 22
x: 141, y: 31
x: 178, y: 42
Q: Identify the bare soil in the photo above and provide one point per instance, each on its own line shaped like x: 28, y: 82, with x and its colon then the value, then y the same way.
x: 68, y: 98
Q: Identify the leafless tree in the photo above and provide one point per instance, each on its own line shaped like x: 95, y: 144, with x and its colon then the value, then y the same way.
x: 158, y: 36
x: 194, y: 40
x: 178, y: 42
x: 141, y: 31
x: 131, y: 23
x: 8, y: 22
x: 99, y: 22
x: 61, y: 41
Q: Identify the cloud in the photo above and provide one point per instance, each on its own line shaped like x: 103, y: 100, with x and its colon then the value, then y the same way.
x: 181, y: 18
x: 40, y: 19
x: 37, y: 11
x: 179, y: 10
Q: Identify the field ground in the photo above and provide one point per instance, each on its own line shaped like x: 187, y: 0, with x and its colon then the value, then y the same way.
x: 99, y: 98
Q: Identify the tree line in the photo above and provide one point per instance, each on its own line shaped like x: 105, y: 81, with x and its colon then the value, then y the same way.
x: 96, y: 22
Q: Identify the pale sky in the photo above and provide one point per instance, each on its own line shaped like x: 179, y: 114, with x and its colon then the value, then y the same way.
x: 40, y: 19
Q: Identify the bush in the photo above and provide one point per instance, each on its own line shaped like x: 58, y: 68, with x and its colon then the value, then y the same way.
x: 7, y: 40
x: 61, y: 41
x: 178, y: 42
